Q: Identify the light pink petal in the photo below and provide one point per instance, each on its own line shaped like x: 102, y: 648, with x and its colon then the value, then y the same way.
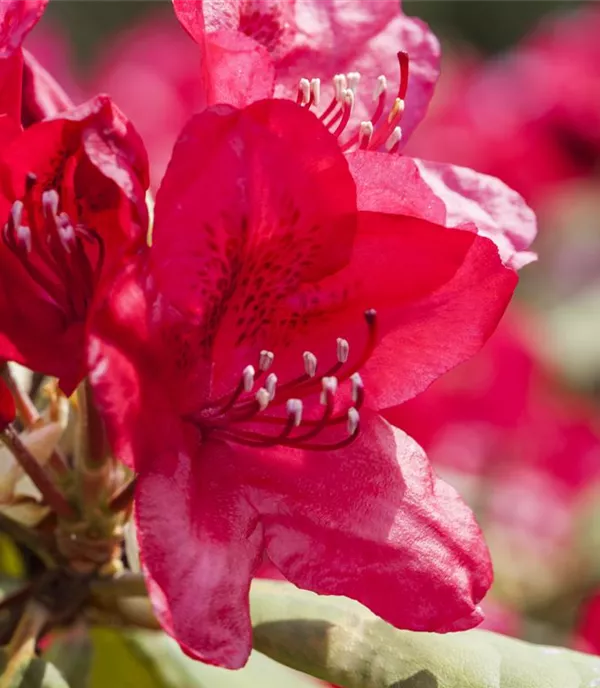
x: 237, y: 70
x: 497, y: 211
x: 17, y: 18
x: 200, y: 544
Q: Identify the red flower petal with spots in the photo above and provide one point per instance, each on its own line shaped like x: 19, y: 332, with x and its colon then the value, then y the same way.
x: 227, y: 361
x: 7, y: 406
x: 72, y: 192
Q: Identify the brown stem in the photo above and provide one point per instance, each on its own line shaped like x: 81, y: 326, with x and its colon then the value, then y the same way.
x: 123, y: 498
x: 25, y: 407
x: 92, y: 450
x: 125, y: 585
x: 54, y: 498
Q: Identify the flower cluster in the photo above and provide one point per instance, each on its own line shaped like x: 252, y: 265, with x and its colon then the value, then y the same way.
x: 304, y: 278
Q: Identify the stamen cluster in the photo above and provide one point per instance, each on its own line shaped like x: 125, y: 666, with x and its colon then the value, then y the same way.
x: 245, y: 415
x: 372, y: 133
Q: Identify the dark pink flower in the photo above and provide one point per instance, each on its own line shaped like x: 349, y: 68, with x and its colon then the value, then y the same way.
x: 72, y: 195
x: 226, y: 361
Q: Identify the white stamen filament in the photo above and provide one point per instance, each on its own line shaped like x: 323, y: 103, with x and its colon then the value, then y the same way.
x: 310, y: 363
x: 340, y: 84
x: 343, y: 350
x: 349, y: 99
x: 315, y: 88
x: 50, y: 202
x: 394, y: 138
x: 24, y: 237
x: 271, y: 385
x: 353, y: 420
x: 304, y: 91
x: 262, y: 397
x: 265, y: 360
x: 365, y: 134
x: 330, y: 385
x: 353, y: 79
x: 357, y: 386
x: 380, y: 87
x: 293, y: 408
x: 248, y: 378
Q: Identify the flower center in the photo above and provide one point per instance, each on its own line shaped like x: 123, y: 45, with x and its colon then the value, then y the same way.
x: 371, y: 134
x: 63, y: 259
x: 273, y: 414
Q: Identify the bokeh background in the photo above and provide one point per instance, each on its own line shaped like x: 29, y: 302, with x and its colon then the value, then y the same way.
x: 517, y: 429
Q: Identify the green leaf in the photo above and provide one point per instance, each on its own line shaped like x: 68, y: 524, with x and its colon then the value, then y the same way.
x: 149, y: 659
x: 34, y: 674
x: 71, y: 653
x: 340, y: 641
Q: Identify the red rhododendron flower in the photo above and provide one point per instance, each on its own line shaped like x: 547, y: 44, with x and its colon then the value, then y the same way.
x: 449, y: 195
x: 7, y: 406
x: 226, y: 362
x: 72, y: 192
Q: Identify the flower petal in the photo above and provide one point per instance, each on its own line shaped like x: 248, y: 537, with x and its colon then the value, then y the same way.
x: 237, y: 71
x: 497, y: 211
x: 394, y: 184
x: 372, y: 522
x: 200, y: 554
x: 17, y: 18
x: 42, y: 96
x: 277, y: 210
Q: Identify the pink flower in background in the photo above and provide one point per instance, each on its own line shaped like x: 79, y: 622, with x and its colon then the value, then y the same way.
x: 158, y: 95
x: 529, y: 117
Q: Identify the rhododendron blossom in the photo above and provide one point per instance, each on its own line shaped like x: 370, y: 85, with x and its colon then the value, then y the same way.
x: 72, y: 192
x: 241, y: 361
x: 459, y: 196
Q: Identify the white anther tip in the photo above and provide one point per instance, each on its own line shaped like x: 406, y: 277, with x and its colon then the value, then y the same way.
x: 262, y: 397
x: 293, y: 408
x: 353, y: 421
x: 394, y: 138
x: 366, y: 129
x: 349, y: 98
x: 353, y: 79
x: 330, y: 385
x: 304, y: 91
x: 380, y: 87
x: 343, y: 350
x: 340, y: 84
x: 310, y: 363
x: 265, y: 360
x: 357, y: 386
x: 315, y: 88
x: 248, y: 378
x: 271, y: 385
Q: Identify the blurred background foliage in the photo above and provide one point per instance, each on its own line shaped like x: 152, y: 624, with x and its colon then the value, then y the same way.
x: 490, y: 25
